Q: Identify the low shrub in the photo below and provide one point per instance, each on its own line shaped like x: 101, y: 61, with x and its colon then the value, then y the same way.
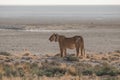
x: 5, y: 53
x: 107, y: 70
x: 14, y: 73
x: 118, y: 51
x: 88, y: 72
x: 1, y: 76
x: 8, y: 70
x: 71, y: 58
x: 34, y: 69
x: 47, y: 69
x: 54, y: 71
x: 20, y: 72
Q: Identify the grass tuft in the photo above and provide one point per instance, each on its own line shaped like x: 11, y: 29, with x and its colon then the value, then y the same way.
x: 71, y: 58
x: 5, y: 53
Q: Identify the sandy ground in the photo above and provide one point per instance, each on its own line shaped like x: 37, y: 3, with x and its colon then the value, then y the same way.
x: 98, y: 38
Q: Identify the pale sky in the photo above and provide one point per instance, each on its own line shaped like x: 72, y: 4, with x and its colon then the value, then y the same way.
x: 59, y: 2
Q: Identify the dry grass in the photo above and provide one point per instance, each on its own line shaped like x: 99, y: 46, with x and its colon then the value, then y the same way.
x: 26, y: 66
x: 65, y: 77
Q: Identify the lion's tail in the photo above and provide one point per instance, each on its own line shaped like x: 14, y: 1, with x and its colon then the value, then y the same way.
x: 83, y: 47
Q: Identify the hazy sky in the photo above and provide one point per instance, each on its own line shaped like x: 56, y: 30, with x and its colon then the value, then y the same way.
x: 59, y: 2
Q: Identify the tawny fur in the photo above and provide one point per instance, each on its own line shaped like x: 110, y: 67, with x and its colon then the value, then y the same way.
x: 75, y: 42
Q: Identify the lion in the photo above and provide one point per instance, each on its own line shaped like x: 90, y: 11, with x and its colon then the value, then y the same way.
x: 68, y: 43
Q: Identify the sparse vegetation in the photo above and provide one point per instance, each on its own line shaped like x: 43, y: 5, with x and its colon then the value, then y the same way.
x: 53, y: 71
x: 52, y: 67
x: 118, y: 51
x: 71, y: 58
x: 8, y: 70
x: 1, y: 76
x: 107, y: 70
x: 5, y: 53
x: 21, y: 72
x: 88, y: 72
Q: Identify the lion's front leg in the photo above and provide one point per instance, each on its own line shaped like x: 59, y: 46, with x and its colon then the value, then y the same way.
x: 65, y: 52
x: 61, y: 52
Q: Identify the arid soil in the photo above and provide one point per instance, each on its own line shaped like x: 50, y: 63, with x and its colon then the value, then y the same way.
x: 97, y: 38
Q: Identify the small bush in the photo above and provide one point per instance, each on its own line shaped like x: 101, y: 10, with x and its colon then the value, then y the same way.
x: 33, y: 65
x: 21, y: 72
x: 118, y: 51
x: 54, y: 71
x: 5, y: 53
x: 7, y: 70
x: 107, y: 70
x: 72, y: 58
x: 40, y: 72
x: 88, y: 72
x: 34, y: 68
x: 1, y: 76
x: 14, y: 73
x: 51, y: 71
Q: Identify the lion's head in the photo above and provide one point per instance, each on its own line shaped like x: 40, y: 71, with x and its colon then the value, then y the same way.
x: 54, y: 37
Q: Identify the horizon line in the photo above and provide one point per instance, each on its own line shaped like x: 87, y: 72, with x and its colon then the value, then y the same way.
x: 68, y: 5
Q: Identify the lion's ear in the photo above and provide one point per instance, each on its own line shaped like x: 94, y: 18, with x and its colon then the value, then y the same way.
x: 56, y: 34
x: 53, y: 33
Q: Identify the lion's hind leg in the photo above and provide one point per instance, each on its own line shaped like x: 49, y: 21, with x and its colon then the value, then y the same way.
x: 77, y: 52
